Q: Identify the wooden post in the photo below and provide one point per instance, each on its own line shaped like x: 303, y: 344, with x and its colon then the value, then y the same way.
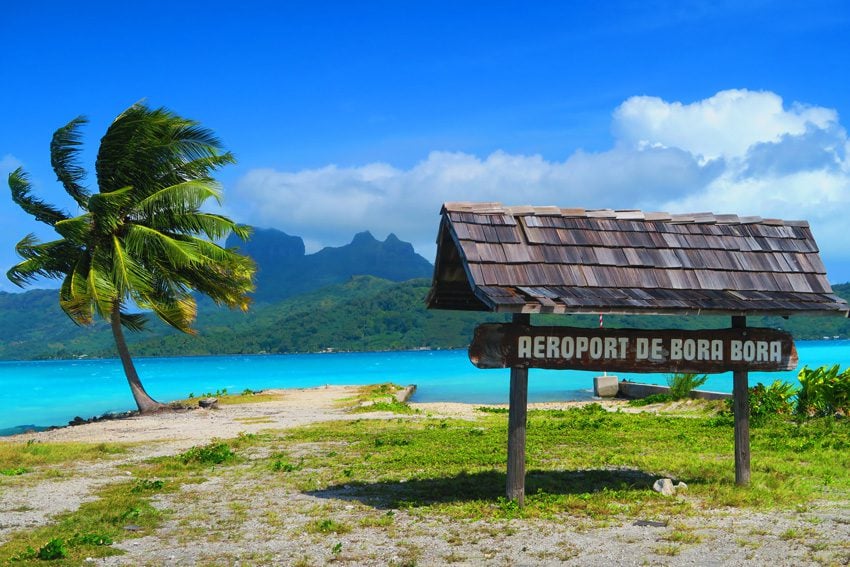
x: 741, y: 401
x: 517, y: 412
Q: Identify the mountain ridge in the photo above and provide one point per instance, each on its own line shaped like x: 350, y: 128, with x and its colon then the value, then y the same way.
x: 284, y: 269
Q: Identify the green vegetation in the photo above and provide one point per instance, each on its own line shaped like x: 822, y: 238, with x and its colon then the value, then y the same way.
x: 90, y: 530
x: 143, y: 239
x: 223, y: 398
x: 251, y: 398
x: 824, y: 391
x: 378, y: 397
x: 212, y: 454
x: 681, y: 385
x: 363, y: 314
x: 327, y: 526
x: 488, y: 409
x: 767, y: 401
x: 21, y: 458
x: 651, y: 399
x: 587, y: 464
x: 121, y: 510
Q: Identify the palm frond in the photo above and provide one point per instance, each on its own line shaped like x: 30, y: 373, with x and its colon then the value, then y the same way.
x: 101, y: 288
x: 177, y: 199
x: 42, y: 259
x: 28, y: 271
x: 152, y: 247
x: 75, y: 230
x: 180, y: 313
x: 243, y: 231
x: 211, y: 225
x: 74, y: 297
x: 207, y: 252
x: 147, y: 148
x: 128, y: 276
x: 135, y: 322
x: 64, y: 154
x: 203, y: 166
x: 226, y: 282
x: 110, y: 209
x: 20, y: 185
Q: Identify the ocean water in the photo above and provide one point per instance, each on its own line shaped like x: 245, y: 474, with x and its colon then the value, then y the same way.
x: 45, y: 393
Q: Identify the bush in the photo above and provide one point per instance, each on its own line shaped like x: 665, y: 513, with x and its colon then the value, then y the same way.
x: 824, y: 391
x: 53, y: 549
x: 651, y: 399
x: 771, y: 400
x: 681, y: 385
x: 212, y: 454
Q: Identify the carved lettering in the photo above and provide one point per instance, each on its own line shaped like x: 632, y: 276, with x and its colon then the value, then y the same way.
x: 504, y: 345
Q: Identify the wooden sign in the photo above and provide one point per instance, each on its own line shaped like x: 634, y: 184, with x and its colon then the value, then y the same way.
x: 497, y: 345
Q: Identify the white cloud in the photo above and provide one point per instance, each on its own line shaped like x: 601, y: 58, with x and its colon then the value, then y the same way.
x: 724, y: 125
x: 328, y: 205
x: 738, y: 151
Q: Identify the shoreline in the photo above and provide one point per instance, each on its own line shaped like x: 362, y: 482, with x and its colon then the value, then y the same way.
x: 196, y: 423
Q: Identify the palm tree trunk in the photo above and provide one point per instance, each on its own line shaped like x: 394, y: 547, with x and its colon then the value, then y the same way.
x: 145, y: 403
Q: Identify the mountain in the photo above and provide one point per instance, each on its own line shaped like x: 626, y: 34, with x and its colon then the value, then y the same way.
x: 285, y: 270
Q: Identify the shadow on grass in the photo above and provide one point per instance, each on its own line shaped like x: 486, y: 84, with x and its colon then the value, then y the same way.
x: 488, y: 485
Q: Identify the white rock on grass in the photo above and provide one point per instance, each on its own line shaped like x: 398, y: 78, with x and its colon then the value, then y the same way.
x: 664, y: 486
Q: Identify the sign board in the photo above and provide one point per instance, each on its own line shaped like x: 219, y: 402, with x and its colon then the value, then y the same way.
x: 498, y: 345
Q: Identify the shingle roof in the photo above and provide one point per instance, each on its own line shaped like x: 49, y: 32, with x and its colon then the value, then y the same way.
x: 553, y: 260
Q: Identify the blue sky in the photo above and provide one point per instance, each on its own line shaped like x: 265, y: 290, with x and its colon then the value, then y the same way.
x: 367, y: 115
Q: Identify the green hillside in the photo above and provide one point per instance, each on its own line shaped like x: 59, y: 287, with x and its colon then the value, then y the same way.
x: 365, y: 313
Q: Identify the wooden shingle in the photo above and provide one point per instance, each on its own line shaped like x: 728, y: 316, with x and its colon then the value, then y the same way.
x: 552, y: 259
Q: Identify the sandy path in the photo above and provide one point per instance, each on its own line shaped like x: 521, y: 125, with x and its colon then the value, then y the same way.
x: 166, y: 433
x: 177, y: 430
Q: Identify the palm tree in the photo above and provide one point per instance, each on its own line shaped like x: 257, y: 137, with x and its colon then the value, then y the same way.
x: 142, y: 240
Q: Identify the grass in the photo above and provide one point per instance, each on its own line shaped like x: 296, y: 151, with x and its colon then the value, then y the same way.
x: 378, y: 391
x: 590, y: 465
x: 249, y: 398
x: 392, y: 406
x: 377, y: 397
x: 327, y: 526
x: 89, y: 530
x: 682, y: 536
x: 119, y: 511
x: 253, y: 420
x: 580, y: 461
x: 20, y: 458
x: 225, y: 399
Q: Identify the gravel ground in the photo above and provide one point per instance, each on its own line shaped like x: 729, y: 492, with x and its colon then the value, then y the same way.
x: 228, y: 520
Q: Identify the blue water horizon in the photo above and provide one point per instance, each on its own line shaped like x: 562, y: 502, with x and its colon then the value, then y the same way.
x: 41, y: 394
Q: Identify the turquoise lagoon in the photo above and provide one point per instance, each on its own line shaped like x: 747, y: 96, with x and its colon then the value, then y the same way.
x: 36, y: 394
